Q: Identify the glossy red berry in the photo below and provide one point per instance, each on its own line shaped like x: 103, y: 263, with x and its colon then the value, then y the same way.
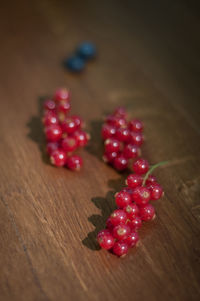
x: 136, y: 138
x: 129, y: 190
x: 81, y: 137
x: 49, y: 105
x: 61, y: 94
x: 131, y: 151
x: 63, y: 107
x: 78, y: 121
x: 58, y: 157
x: 120, y: 111
x: 141, y: 195
x: 108, y: 131
x: 105, y: 240
x: 69, y: 126
x: 156, y: 191
x: 123, y: 134
x: 53, y: 133
x: 112, y: 145
x: 116, y: 121
x: 118, y: 217
x: 120, y: 163
x: 121, y: 232
x: 147, y: 212
x: 69, y: 144
x: 132, y: 239
x: 51, y: 146
x: 131, y: 210
x: 151, y: 180
x: 135, y: 224
x: 136, y: 125
x: 74, y: 162
x: 134, y: 180
x: 141, y: 166
x: 109, y: 225
x: 109, y: 157
x: 122, y: 199
x: 50, y: 118
x: 120, y: 248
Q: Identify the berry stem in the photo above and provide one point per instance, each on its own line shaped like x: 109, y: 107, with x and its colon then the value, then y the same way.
x: 152, y: 169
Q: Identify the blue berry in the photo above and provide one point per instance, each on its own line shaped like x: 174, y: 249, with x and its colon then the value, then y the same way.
x: 86, y: 50
x: 74, y: 64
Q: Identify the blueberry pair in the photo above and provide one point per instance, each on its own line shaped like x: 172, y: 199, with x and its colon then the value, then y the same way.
x: 84, y: 52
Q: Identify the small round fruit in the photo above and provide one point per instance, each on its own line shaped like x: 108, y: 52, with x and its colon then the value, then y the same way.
x: 109, y: 225
x: 105, y: 240
x: 120, y: 163
x: 131, y: 151
x: 129, y: 190
x: 141, y: 166
x: 53, y: 133
x: 109, y: 157
x: 74, y: 63
x: 63, y: 107
x: 69, y: 126
x: 135, y: 224
x: 136, y: 125
x: 78, y: 121
x: 69, y: 144
x: 151, y: 180
x: 147, y: 212
x: 120, y: 248
x: 86, y: 50
x: 123, y: 134
x: 108, y: 131
x: 136, y: 138
x: 131, y: 210
x: 50, y: 119
x: 141, y: 195
x: 62, y: 94
x: 116, y: 121
x: 51, y: 146
x: 132, y: 239
x: 120, y: 111
x: 81, y: 137
x: 58, y: 157
x: 122, y: 199
x: 121, y: 232
x: 134, y: 180
x: 112, y: 145
x: 49, y: 105
x: 118, y: 217
x: 156, y: 191
x: 74, y: 163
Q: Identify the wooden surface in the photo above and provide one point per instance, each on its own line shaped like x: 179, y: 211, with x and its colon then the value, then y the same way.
x: 148, y: 61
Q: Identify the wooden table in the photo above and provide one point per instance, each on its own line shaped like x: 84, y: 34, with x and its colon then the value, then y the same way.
x: 149, y: 62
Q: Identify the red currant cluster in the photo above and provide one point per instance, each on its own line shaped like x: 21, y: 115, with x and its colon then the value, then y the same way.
x: 133, y: 207
x: 122, y: 139
x: 64, y: 133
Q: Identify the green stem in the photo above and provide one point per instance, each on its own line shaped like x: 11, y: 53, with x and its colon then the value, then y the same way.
x: 151, y: 170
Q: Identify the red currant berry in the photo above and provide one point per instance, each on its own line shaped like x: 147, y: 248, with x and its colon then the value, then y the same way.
x: 141, y: 195
x: 58, y: 157
x: 63, y: 107
x: 131, y: 151
x: 141, y: 166
x: 69, y: 126
x: 61, y: 94
x: 81, y: 137
x: 121, y: 232
x: 53, y: 133
x: 112, y: 145
x: 120, y: 111
x: 49, y: 105
x: 136, y: 138
x: 118, y: 217
x: 78, y: 121
x: 134, y: 180
x: 50, y: 118
x: 108, y: 131
x: 129, y: 190
x: 131, y: 210
x: 109, y: 225
x: 147, y: 212
x: 135, y: 223
x: 123, y: 134
x: 120, y: 163
x: 136, y: 125
x: 116, y: 121
x: 156, y: 191
x: 105, y: 240
x: 109, y: 157
x: 132, y: 239
x: 120, y: 248
x: 51, y: 146
x: 122, y: 199
x: 151, y: 180
x: 74, y: 163
x: 103, y: 232
x: 69, y: 144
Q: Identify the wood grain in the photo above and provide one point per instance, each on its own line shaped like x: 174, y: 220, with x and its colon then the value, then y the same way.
x: 148, y: 61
